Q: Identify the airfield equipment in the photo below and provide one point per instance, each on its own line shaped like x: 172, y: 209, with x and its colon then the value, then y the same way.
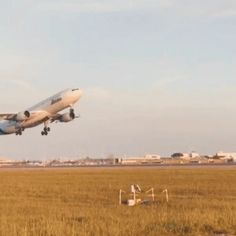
x: 136, y: 192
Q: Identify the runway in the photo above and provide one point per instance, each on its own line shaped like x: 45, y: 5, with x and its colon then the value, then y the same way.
x: 147, y: 166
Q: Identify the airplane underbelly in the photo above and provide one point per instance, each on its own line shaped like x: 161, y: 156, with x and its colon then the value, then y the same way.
x: 34, y: 121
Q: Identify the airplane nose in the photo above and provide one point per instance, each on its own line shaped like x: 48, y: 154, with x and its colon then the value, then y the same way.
x: 76, y: 93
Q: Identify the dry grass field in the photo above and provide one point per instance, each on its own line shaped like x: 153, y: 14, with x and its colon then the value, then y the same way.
x: 85, y: 202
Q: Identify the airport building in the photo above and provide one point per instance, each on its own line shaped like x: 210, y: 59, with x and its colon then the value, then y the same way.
x: 5, y: 161
x: 185, y: 156
x: 226, y: 156
x: 147, y: 159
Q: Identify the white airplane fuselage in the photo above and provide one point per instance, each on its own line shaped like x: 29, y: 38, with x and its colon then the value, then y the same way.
x: 42, y: 112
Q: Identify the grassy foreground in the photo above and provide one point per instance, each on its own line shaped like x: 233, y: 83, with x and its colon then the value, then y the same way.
x: 85, y: 202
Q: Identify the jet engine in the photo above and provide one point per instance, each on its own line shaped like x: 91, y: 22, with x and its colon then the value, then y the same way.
x: 21, y: 116
x: 67, y: 117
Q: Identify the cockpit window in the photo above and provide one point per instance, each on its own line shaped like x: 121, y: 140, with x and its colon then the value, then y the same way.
x: 75, y: 89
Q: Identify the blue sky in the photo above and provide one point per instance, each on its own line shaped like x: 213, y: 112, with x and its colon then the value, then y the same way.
x: 157, y: 76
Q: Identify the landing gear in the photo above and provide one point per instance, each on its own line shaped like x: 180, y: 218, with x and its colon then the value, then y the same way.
x: 72, y: 113
x: 44, y: 133
x: 46, y: 130
x: 19, y: 131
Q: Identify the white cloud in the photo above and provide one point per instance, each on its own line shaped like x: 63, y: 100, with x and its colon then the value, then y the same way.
x: 225, y: 13
x: 104, y: 6
x: 98, y: 93
x: 168, y: 81
x: 16, y: 82
x: 207, y: 8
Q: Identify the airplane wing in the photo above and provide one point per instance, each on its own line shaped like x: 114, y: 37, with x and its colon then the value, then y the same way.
x: 7, y: 116
x: 25, y: 115
x: 55, y: 117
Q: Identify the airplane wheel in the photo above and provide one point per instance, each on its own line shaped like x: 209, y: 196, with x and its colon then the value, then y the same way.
x: 44, y: 132
x: 19, y: 132
x: 46, y: 129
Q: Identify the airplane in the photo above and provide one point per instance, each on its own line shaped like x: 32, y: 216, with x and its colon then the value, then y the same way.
x: 44, y: 112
